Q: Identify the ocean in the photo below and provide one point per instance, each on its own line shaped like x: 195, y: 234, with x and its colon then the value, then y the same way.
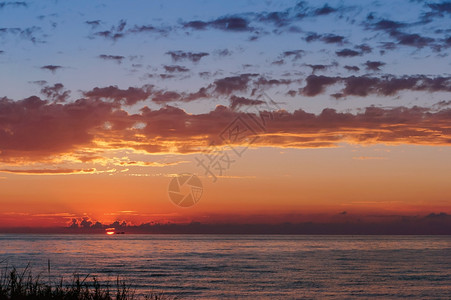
x: 245, y: 266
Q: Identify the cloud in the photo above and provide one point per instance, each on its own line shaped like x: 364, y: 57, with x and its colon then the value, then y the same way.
x: 352, y: 68
x: 228, y: 85
x: 94, y: 24
x: 175, y: 69
x: 413, y: 40
x: 34, y: 129
x: 317, y: 84
x: 361, y: 50
x: 295, y: 54
x: 33, y: 34
x: 320, y: 67
x: 325, y: 10
x: 51, y: 68
x: 386, y: 86
x: 374, y: 65
x: 326, y: 38
x: 387, y: 25
x: 48, y: 171
x: 348, y: 53
x: 163, y: 97
x: 147, y: 28
x: 149, y: 163
x: 393, y: 29
x: 236, y: 102
x: 182, y: 55
x: 223, y: 52
x: 13, y: 4
x: 117, y: 58
x: 228, y: 23
x: 115, y: 32
x: 444, y: 7
x: 56, y: 92
x: 231, y: 24
x: 130, y: 96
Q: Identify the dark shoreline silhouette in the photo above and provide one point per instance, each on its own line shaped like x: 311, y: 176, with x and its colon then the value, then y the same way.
x: 432, y: 224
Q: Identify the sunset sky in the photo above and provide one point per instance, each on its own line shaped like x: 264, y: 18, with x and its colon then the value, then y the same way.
x: 345, y: 107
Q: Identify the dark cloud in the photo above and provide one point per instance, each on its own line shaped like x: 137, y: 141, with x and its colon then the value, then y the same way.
x: 230, y: 23
x: 129, y: 96
x: 163, y: 97
x: 361, y: 50
x: 387, y: 25
x: 326, y: 38
x: 337, y: 95
x: 56, y: 93
x: 110, y: 34
x: 263, y: 81
x: 318, y: 67
x: 325, y: 10
x: 277, y: 18
x: 51, y: 68
x: 228, y: 85
x: 115, y: 32
x: 236, y: 102
x: 361, y: 86
x: 291, y: 93
x: 364, y: 48
x: 117, y: 58
x: 200, y: 94
x: 374, y: 65
x: 94, y: 24
x: 294, y: 54
x: 223, y: 52
x: 317, y: 84
x: 121, y: 25
x: 413, y: 40
x: 182, y: 55
x: 13, y: 4
x: 348, y: 53
x: 441, y: 8
x: 33, y: 34
x: 386, y: 86
x: 175, y: 68
x: 149, y: 29
x: 166, y: 76
x: 393, y: 29
x: 352, y: 68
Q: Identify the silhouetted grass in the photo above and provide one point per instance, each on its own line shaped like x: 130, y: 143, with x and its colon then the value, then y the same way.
x: 15, y: 285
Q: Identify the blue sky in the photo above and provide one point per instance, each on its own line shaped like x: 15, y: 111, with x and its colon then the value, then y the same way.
x: 57, y: 33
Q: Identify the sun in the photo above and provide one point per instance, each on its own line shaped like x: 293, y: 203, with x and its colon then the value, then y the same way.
x: 110, y: 231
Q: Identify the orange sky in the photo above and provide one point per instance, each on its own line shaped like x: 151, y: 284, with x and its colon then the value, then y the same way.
x: 284, y: 184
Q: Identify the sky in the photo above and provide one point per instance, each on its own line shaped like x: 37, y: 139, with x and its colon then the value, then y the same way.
x: 286, y: 111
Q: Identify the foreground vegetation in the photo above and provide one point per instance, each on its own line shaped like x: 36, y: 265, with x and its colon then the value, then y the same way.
x: 22, y: 285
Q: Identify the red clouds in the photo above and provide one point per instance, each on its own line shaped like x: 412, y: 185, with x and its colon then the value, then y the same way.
x: 33, y: 128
